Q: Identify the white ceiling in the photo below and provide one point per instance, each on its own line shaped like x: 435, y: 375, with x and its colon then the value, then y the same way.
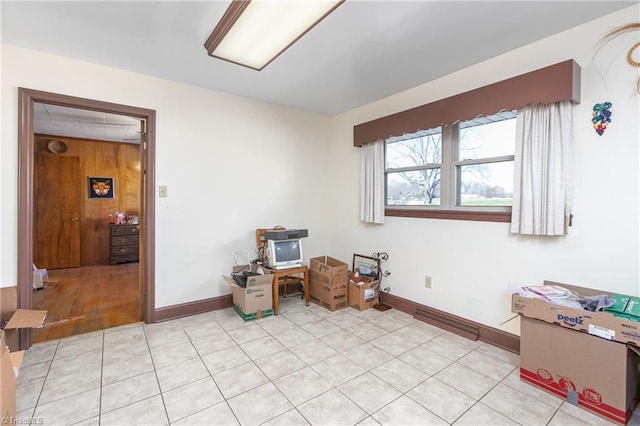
x: 364, y: 51
x: 80, y: 123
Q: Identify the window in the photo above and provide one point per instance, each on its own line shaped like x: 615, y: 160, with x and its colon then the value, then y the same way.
x: 413, y: 169
x: 467, y: 166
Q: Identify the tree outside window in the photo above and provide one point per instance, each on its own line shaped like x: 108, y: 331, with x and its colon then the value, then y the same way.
x: 469, y: 164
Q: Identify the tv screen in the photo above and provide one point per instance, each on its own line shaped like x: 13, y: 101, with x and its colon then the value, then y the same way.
x: 283, y: 253
x: 287, y: 250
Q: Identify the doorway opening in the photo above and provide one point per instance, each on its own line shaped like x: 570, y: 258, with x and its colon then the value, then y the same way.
x: 29, y: 143
x: 86, y: 178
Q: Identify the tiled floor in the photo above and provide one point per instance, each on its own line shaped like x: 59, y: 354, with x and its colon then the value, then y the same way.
x: 305, y: 366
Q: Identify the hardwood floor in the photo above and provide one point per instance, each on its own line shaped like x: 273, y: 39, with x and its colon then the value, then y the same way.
x: 85, y: 299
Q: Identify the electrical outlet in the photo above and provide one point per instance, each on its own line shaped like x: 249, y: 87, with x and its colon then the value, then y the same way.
x: 427, y: 281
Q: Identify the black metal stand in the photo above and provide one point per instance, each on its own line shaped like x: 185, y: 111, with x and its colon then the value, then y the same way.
x: 381, y: 257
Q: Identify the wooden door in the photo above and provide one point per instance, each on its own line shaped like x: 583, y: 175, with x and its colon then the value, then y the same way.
x: 56, y: 211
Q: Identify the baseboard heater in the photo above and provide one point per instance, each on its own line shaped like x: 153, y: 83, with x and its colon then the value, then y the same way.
x: 448, y: 323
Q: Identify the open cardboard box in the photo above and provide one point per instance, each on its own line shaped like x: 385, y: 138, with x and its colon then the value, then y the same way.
x: 328, y: 282
x: 363, y: 295
x: 328, y: 266
x: 256, y: 299
x: 10, y: 361
x: 601, y: 324
x: 590, y: 359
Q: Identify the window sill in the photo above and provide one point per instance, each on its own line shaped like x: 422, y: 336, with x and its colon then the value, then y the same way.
x: 451, y: 214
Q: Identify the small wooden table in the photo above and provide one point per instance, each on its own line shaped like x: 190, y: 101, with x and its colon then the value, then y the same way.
x: 281, y: 275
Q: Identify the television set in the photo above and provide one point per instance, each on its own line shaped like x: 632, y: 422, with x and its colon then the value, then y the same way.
x: 283, y: 254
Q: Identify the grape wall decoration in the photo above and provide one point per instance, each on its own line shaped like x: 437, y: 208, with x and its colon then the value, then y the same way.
x: 601, y: 117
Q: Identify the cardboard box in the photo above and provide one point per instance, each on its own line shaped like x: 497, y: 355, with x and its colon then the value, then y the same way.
x: 328, y: 266
x: 602, y: 324
x: 626, y: 316
x: 8, y: 306
x: 328, y: 282
x: 329, y: 292
x: 363, y: 296
x: 256, y: 299
x: 10, y: 361
x: 7, y: 386
x: 598, y: 375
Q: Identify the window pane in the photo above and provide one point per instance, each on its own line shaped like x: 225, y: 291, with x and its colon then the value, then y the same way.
x: 489, y: 184
x: 493, y: 139
x: 417, y: 151
x: 416, y: 188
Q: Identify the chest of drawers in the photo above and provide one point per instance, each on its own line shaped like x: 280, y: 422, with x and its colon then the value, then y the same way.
x: 123, y: 243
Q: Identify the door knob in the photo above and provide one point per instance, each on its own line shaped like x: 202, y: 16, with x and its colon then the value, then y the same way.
x: 75, y: 219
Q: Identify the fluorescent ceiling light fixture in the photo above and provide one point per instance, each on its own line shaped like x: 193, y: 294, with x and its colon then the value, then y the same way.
x: 255, y: 32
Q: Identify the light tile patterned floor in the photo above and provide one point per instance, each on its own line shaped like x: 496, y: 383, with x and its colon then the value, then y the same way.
x: 305, y: 366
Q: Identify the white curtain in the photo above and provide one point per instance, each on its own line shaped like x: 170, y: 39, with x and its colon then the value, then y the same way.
x: 372, y: 182
x: 543, y: 170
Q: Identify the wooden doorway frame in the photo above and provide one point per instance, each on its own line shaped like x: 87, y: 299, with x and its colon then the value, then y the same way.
x: 26, y: 150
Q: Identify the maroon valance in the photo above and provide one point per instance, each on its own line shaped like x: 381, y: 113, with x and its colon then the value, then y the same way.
x: 547, y: 85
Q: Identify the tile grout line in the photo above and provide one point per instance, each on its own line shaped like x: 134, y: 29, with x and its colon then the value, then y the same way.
x: 397, y: 358
x: 210, y: 375
x: 260, y: 369
x: 44, y: 382
x: 306, y: 365
x: 155, y: 373
x: 334, y: 387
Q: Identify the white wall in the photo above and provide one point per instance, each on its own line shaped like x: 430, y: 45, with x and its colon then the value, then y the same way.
x: 231, y: 165
x: 472, y: 262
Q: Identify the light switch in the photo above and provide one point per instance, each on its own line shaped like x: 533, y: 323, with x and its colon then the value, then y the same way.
x: 162, y: 191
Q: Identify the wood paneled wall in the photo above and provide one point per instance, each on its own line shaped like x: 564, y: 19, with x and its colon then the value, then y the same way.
x: 103, y: 159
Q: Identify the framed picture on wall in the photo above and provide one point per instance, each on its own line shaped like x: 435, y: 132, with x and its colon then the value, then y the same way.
x: 100, y: 187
